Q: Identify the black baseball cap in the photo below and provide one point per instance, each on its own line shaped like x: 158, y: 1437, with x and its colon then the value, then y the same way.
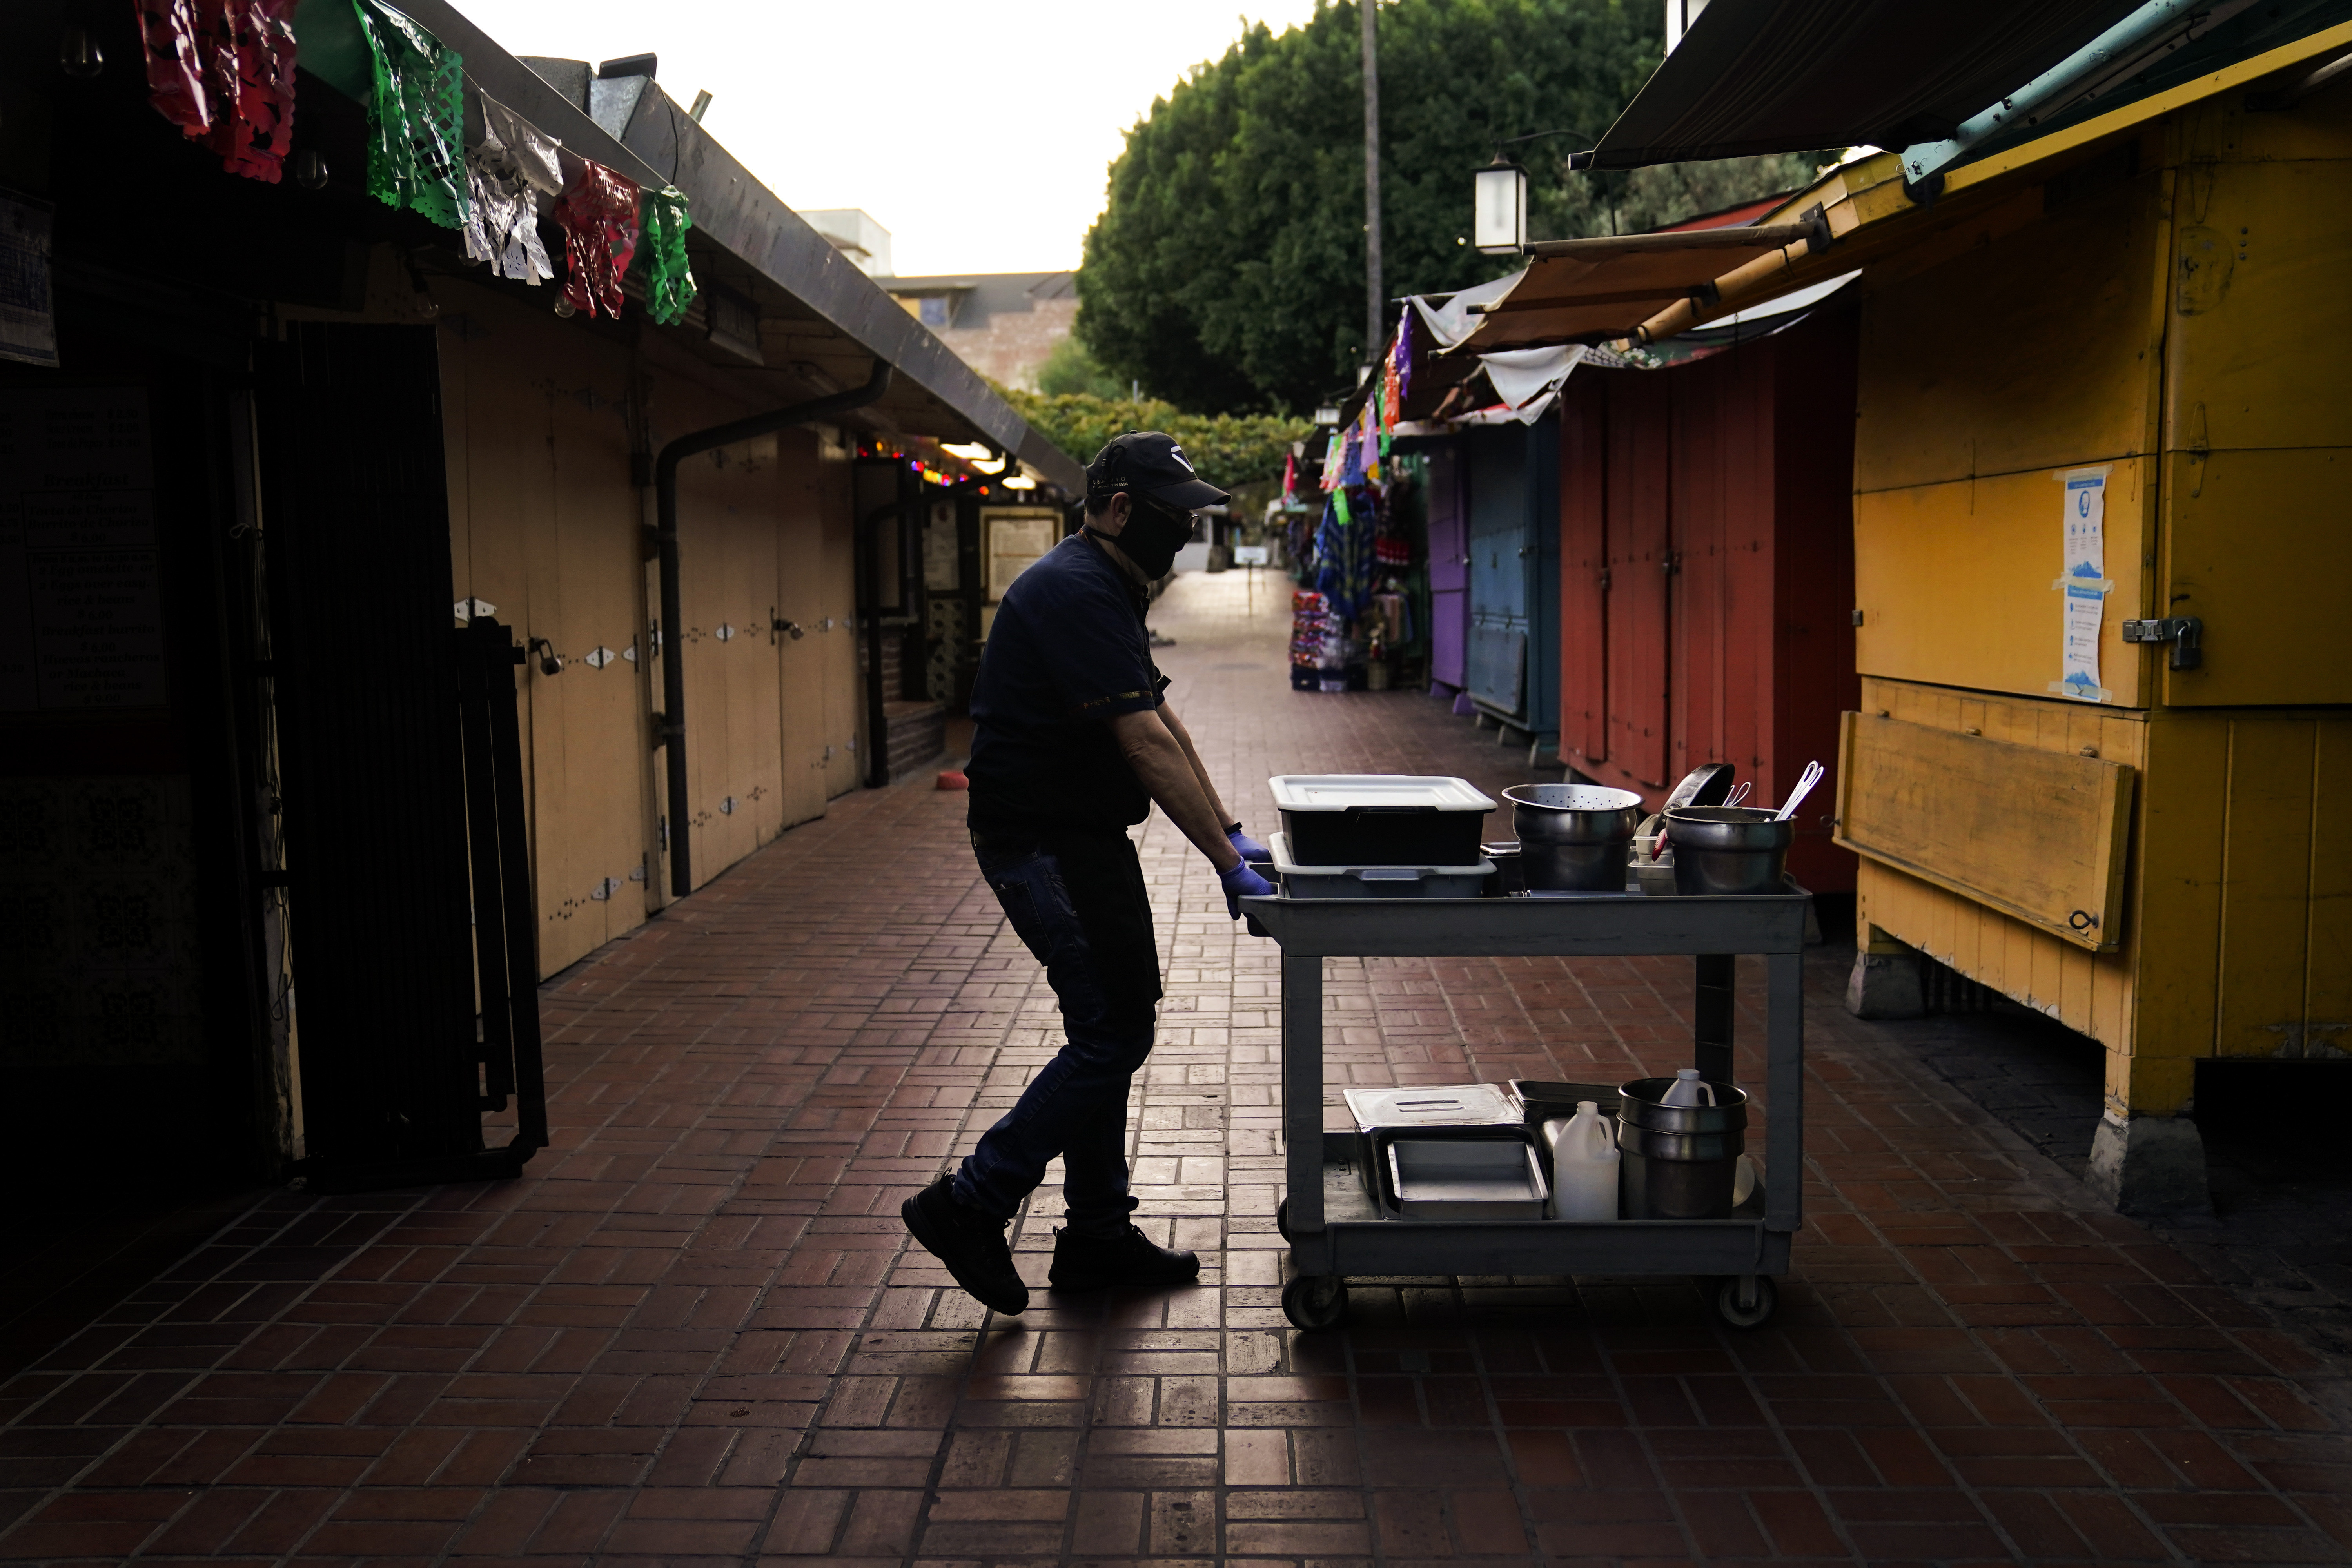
x: 1150, y: 463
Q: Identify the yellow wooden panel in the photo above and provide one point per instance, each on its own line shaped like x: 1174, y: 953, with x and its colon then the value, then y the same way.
x: 1999, y: 953
x: 1954, y: 583
x: 2327, y: 1007
x: 1980, y: 366
x: 549, y: 539
x: 2258, y: 546
x: 800, y: 690
x: 2260, y: 349
x: 2176, y: 901
x: 2265, y: 886
x: 2038, y: 835
x: 726, y: 523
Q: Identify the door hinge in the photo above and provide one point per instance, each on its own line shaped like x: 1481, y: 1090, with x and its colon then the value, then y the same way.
x: 2185, y: 633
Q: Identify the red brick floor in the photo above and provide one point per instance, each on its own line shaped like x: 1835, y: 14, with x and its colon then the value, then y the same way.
x: 695, y: 1332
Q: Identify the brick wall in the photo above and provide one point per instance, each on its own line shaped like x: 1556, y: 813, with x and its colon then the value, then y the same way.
x: 1013, y: 344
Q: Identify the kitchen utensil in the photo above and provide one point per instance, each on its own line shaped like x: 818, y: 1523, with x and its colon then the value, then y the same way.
x: 1465, y: 1178
x: 1739, y: 793
x: 1673, y: 1176
x: 1380, y: 819
x: 1509, y: 879
x: 1300, y: 881
x: 1642, y: 1103
x: 1729, y: 849
x: 1573, y: 837
x: 1805, y: 783
x: 1441, y: 1105
x: 1705, y: 784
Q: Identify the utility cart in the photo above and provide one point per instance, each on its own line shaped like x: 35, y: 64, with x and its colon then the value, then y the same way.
x: 1329, y: 1218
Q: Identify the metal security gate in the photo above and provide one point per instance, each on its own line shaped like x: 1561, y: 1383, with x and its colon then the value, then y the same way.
x: 408, y: 881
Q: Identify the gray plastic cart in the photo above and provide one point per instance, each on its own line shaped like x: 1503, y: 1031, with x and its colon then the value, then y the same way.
x: 1330, y: 1223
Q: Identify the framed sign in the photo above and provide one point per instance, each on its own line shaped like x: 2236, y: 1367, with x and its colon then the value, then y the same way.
x: 1013, y: 538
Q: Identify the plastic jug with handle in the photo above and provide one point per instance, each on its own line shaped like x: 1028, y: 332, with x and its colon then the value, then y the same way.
x: 1583, y: 1166
x: 1688, y: 1088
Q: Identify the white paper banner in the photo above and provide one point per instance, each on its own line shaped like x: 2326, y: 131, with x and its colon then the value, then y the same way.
x: 2084, y: 581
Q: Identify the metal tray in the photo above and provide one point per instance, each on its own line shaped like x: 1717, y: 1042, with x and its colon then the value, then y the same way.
x: 1465, y: 1178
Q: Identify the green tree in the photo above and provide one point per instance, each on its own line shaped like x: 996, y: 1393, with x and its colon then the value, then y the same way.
x: 1226, y: 270
x: 1226, y: 449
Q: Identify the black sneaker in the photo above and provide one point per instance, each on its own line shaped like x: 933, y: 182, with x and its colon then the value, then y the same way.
x: 1131, y: 1260
x: 970, y: 1242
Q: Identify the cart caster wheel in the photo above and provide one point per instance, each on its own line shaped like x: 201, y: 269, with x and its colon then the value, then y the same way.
x: 1752, y: 1313
x: 1282, y: 1220
x: 1315, y: 1301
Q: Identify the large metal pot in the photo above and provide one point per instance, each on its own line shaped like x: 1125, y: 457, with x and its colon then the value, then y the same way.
x: 1639, y: 1104
x: 1729, y: 848
x: 1574, y: 838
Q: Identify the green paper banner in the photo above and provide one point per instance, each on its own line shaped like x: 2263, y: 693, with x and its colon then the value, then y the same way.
x: 416, y: 115
x: 670, y: 280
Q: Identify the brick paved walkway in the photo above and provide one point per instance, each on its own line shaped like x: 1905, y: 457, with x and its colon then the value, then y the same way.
x: 695, y: 1331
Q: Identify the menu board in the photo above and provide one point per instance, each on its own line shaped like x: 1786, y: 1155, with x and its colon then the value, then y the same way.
x: 82, y: 622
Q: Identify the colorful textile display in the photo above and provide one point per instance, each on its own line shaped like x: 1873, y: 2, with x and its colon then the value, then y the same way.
x: 415, y: 117
x: 670, y: 280
x: 1401, y: 359
x: 513, y: 175
x: 1343, y: 551
x: 598, y: 216
x: 223, y: 71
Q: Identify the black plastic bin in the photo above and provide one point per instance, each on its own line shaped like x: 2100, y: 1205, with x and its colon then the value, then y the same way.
x: 1380, y: 819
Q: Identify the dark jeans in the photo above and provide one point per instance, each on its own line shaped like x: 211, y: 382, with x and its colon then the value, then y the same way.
x: 1077, y: 902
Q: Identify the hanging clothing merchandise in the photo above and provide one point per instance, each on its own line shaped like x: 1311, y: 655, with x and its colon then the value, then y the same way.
x: 415, y: 117
x: 598, y: 214
x: 1343, y: 554
x: 670, y: 280
x: 513, y: 175
x: 1335, y: 459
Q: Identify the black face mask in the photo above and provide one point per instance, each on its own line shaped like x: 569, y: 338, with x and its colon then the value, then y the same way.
x: 1152, y: 537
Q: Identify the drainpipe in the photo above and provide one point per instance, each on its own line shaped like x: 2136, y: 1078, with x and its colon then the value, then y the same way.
x: 671, y: 724
x: 869, y: 593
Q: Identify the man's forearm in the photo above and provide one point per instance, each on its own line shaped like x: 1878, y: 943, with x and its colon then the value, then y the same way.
x: 1185, y: 738
x: 1166, y: 772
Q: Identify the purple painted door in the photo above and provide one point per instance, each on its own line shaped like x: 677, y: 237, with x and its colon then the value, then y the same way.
x: 1449, y: 569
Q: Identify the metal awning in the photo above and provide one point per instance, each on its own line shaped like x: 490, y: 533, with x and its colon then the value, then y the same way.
x: 1588, y: 290
x: 822, y: 321
x: 1790, y: 76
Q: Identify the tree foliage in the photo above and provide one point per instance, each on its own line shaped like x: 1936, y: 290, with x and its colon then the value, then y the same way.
x: 1227, y: 269
x: 1225, y: 449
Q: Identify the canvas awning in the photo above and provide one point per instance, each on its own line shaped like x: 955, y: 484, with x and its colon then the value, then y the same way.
x: 1790, y: 76
x: 1588, y: 290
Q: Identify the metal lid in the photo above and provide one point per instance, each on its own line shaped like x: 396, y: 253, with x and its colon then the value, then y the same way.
x: 1433, y: 1105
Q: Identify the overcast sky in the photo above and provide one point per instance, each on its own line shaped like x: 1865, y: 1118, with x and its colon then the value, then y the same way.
x: 977, y: 131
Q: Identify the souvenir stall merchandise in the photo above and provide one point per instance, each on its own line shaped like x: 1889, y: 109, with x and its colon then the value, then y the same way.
x: 1309, y: 620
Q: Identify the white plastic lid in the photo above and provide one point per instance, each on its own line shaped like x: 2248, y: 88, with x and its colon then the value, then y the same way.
x: 1392, y: 791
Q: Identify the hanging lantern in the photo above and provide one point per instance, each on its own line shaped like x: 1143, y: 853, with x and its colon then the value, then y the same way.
x: 1499, y: 219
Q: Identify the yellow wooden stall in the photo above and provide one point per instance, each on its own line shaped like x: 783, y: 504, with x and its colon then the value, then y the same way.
x: 2154, y: 858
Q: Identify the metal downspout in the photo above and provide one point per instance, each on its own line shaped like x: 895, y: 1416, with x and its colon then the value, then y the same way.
x: 870, y: 609
x: 671, y: 728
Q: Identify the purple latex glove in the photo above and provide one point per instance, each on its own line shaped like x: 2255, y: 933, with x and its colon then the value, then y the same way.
x: 1242, y: 882
x: 1248, y: 848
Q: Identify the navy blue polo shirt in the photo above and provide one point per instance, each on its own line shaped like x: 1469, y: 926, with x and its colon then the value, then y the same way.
x: 1067, y: 653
